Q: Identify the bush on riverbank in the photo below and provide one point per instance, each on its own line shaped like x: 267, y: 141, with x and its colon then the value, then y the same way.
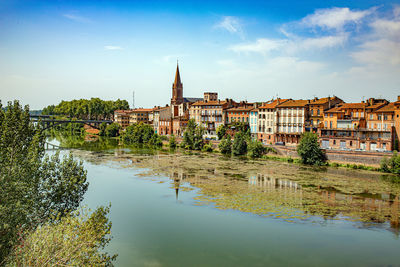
x: 193, y: 136
x: 76, y: 240
x: 172, y: 142
x: 239, y: 146
x: 112, y: 130
x: 310, y: 151
x: 221, y: 131
x: 207, y: 148
x: 225, y: 146
x: 392, y: 164
x: 141, y: 134
x: 35, y: 189
x: 255, y: 149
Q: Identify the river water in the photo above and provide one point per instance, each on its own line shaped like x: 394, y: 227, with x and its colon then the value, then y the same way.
x: 179, y: 209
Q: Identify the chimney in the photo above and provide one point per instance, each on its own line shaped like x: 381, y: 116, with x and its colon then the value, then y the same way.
x: 398, y: 98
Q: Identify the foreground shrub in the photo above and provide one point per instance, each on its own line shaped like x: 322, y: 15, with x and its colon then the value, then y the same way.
x: 310, y: 151
x: 76, y: 240
x: 34, y: 187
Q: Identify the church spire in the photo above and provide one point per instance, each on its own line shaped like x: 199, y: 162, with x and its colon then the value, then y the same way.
x: 177, y: 88
x: 177, y: 81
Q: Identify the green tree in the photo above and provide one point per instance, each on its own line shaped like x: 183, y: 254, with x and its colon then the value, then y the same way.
x: 172, y: 142
x: 239, y: 146
x: 76, y: 240
x: 34, y: 188
x: 93, y: 108
x: 221, y: 131
x: 392, y: 164
x: 225, y: 146
x: 255, y: 149
x: 102, y: 129
x: 207, y: 147
x: 309, y: 150
x: 193, y: 136
x: 138, y: 134
x: 155, y: 141
x: 112, y: 130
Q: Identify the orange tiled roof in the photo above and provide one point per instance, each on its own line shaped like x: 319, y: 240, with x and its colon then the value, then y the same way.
x: 376, y: 106
x: 120, y: 111
x: 242, y: 108
x: 323, y: 100
x: 161, y: 108
x: 142, y: 110
x: 212, y: 103
x: 388, y: 108
x: 274, y: 103
x: 353, y: 105
x: 334, y: 110
x: 294, y: 103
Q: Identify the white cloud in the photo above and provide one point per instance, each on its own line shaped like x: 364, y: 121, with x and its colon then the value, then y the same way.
x: 261, y: 45
x: 382, y: 45
x: 378, y: 52
x: 291, y: 46
x: 386, y: 28
x: 76, y: 18
x: 112, y: 47
x: 231, y: 24
x: 323, y: 42
x: 335, y: 18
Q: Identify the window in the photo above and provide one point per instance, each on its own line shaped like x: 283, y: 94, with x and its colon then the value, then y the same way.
x: 331, y: 115
x: 371, y: 116
x: 379, y: 117
x: 326, y: 124
x: 385, y: 117
x: 318, y: 112
x: 330, y: 124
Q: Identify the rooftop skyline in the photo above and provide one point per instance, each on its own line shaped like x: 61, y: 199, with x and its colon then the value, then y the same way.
x: 245, y: 50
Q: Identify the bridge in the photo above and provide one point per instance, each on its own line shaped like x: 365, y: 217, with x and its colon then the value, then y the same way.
x: 49, y: 121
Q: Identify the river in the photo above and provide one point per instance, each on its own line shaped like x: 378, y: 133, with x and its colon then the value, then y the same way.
x: 203, y: 209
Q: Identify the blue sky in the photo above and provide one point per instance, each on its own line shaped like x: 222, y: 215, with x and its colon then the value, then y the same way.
x: 255, y: 50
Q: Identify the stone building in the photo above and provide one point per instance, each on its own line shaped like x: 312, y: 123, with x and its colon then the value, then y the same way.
x: 317, y: 108
x: 122, y: 117
x: 140, y: 115
x: 364, y: 126
x: 291, y: 119
x: 210, y: 114
x: 267, y: 121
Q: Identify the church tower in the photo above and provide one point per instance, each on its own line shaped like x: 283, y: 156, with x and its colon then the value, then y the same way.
x: 177, y: 89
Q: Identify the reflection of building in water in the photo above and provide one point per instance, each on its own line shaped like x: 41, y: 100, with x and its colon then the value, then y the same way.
x: 265, y: 181
x: 178, y: 176
x: 382, y: 204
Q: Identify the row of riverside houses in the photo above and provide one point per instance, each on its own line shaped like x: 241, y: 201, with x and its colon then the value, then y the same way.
x: 372, y: 125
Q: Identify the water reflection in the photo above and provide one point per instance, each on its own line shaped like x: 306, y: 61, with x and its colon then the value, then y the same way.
x: 370, y: 207
x: 267, y: 188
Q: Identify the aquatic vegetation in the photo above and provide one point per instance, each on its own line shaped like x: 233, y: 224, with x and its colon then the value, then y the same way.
x: 275, y: 189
